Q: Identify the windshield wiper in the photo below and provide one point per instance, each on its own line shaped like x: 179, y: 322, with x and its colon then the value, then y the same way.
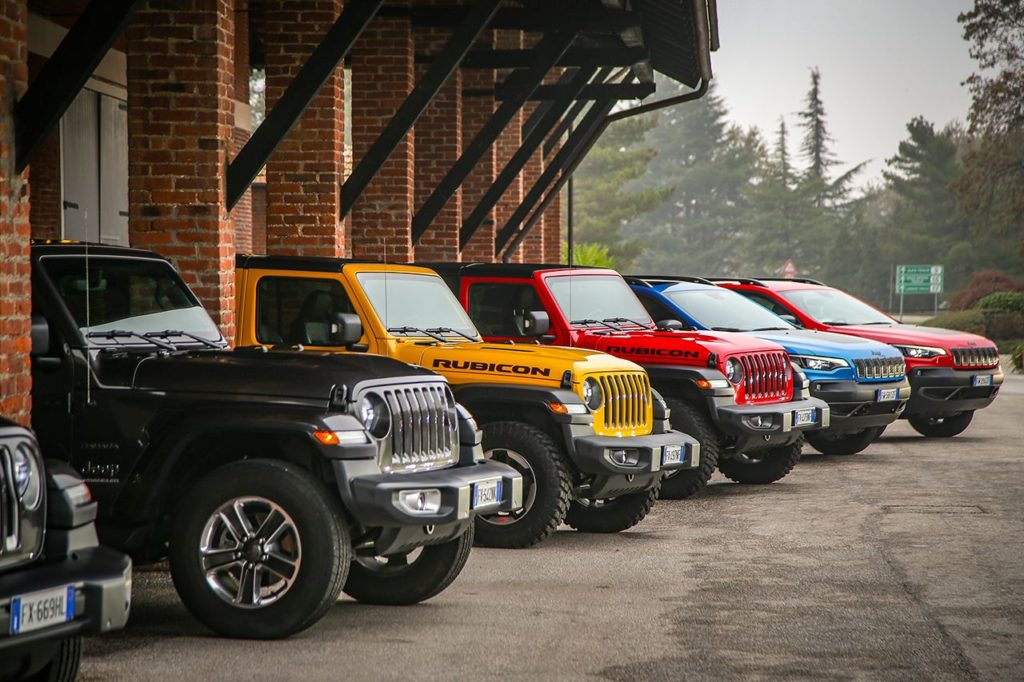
x: 114, y: 334
x: 450, y: 330
x: 175, y: 332
x: 626, y: 319
x: 589, y: 322
x: 768, y: 329
x: 728, y: 329
x: 417, y: 330
x: 871, y: 323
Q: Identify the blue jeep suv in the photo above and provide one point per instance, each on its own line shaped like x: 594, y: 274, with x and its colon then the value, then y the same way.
x: 864, y: 382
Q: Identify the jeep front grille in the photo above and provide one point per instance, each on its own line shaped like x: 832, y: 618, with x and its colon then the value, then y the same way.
x: 975, y: 357
x: 627, y: 402
x: 424, y: 428
x: 880, y: 368
x: 765, y: 375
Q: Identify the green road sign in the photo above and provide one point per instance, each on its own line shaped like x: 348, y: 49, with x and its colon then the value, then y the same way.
x: 919, y: 279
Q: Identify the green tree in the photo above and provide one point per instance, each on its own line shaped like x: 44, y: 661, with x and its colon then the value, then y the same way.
x: 817, y: 142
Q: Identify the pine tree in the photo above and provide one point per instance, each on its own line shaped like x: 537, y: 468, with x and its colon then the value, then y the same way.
x: 816, y: 145
x: 782, y: 161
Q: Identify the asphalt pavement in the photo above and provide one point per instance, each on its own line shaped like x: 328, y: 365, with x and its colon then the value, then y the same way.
x: 901, y: 563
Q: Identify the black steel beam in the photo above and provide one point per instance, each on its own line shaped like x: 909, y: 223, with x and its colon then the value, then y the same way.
x: 511, y: 231
x: 540, y: 18
x: 458, y: 44
x: 526, y: 149
x: 547, y: 52
x: 64, y: 74
x: 564, y: 125
x: 297, y: 96
x: 577, y: 56
x: 542, y: 107
x: 595, y: 91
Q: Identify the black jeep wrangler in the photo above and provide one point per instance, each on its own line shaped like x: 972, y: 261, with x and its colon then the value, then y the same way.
x: 56, y: 582
x: 271, y: 479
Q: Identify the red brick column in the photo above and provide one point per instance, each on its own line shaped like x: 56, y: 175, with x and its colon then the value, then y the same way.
x: 532, y: 249
x: 305, y: 173
x: 15, y: 288
x: 180, y: 121
x: 45, y: 175
x: 508, y: 142
x: 382, y: 77
x: 438, y: 146
x: 552, y: 228
x: 242, y: 212
x: 476, y: 111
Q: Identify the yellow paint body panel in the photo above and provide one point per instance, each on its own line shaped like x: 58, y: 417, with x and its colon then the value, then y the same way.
x: 627, y: 409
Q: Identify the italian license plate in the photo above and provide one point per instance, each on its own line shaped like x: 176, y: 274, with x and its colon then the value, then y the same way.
x: 803, y: 417
x: 672, y: 454
x: 38, y: 610
x: 982, y: 380
x: 884, y: 394
x: 486, y: 493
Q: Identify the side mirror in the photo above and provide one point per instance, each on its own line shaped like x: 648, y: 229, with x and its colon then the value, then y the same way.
x: 669, y: 325
x: 792, y: 319
x: 346, y: 329
x: 40, y: 336
x: 536, y: 323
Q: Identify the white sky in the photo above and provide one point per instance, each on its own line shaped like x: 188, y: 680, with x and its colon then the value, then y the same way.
x: 882, y: 62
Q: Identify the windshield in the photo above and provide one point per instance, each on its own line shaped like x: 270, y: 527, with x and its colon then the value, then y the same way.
x: 139, y: 296
x: 724, y: 309
x: 423, y: 302
x: 586, y: 299
x: 830, y: 306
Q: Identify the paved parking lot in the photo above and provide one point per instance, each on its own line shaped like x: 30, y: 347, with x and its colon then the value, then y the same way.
x: 903, y: 562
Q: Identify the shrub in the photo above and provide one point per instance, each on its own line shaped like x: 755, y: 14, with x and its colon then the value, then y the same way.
x: 983, y: 283
x: 1017, y: 357
x: 1003, y: 301
x: 972, y: 321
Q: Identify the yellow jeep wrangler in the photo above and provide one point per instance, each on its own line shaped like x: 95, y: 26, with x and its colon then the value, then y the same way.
x: 586, y: 430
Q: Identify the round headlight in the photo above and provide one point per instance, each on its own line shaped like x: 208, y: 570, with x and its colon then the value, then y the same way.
x: 28, y: 476
x: 592, y: 394
x: 375, y: 415
x: 733, y: 371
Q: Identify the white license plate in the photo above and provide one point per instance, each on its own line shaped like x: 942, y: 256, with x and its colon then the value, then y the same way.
x: 38, y: 610
x: 486, y: 493
x: 803, y: 417
x: 672, y: 454
x: 982, y: 380
x: 885, y: 394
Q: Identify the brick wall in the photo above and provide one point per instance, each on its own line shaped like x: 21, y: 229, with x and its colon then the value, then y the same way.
x: 507, y: 143
x: 476, y: 111
x: 382, y: 77
x: 241, y: 214
x: 259, y: 217
x: 438, y: 145
x: 180, y: 122
x: 532, y: 249
x: 552, y: 228
x: 305, y: 172
x: 15, y: 311
x: 45, y: 175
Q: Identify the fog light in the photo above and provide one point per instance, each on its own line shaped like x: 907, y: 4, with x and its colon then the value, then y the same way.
x: 761, y: 421
x: 427, y: 501
x: 626, y: 458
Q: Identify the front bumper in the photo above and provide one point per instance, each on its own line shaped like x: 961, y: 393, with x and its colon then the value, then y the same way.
x: 944, y: 391
x: 855, y: 406
x: 620, y: 466
x: 102, y: 581
x: 738, y: 422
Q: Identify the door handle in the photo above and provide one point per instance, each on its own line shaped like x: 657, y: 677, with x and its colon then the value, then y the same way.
x: 70, y: 204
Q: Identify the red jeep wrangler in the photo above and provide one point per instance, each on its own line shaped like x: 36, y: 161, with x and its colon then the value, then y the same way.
x: 733, y: 393
x: 951, y: 373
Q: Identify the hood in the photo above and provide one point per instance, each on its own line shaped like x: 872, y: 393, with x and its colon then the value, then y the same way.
x: 498, y: 362
x: 916, y: 335
x: 674, y: 347
x: 827, y: 344
x: 285, y: 374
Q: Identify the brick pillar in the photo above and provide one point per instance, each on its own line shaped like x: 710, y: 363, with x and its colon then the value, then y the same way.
x: 382, y: 77
x: 508, y: 142
x: 45, y: 175
x: 476, y: 111
x: 15, y: 288
x: 180, y: 121
x: 553, y: 227
x: 242, y: 212
x: 532, y: 249
x: 305, y: 172
x: 438, y: 146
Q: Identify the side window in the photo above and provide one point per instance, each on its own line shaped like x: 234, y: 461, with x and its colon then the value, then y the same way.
x: 767, y: 302
x: 293, y: 310
x: 499, y: 309
x: 658, y: 310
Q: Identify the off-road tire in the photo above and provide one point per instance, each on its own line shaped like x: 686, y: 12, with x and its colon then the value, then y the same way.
x: 614, y: 515
x: 63, y: 667
x: 772, y: 465
x: 843, y: 444
x: 941, y: 427
x: 680, y: 484
x: 428, y: 575
x: 326, y: 549
x: 552, y: 480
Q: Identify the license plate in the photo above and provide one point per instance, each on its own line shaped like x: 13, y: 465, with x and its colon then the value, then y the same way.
x: 885, y: 394
x: 982, y: 380
x: 803, y: 417
x: 672, y: 454
x: 38, y: 610
x: 486, y: 493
